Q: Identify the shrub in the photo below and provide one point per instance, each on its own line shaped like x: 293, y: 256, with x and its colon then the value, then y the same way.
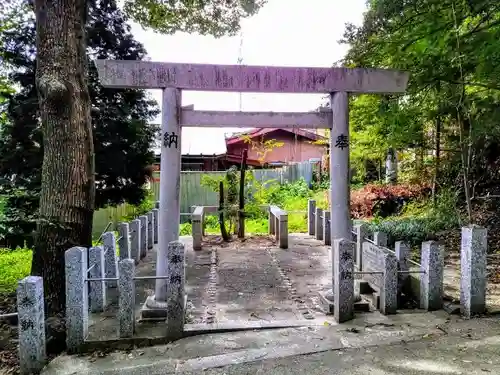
x: 384, y: 200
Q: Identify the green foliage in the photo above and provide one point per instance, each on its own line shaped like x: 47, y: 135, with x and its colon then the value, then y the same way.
x: 422, y: 220
x: 122, y: 135
x: 14, y: 265
x: 215, y: 17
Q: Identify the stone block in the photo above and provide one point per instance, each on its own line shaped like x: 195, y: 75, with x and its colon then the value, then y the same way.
x: 343, y: 283
x: 389, y: 287
x: 318, y: 224
x: 126, y: 297
x: 403, y: 254
x: 110, y: 262
x: 31, y: 325
x: 124, y: 240
x: 362, y: 231
x: 373, y: 260
x: 272, y: 223
x: 144, y: 235
x: 150, y: 230
x: 77, y: 311
x: 135, y: 240
x: 176, y: 290
x: 473, y: 278
x: 197, y: 227
x: 311, y: 221
x: 431, y: 279
x: 96, y: 271
x: 327, y: 228
x: 283, y: 231
x: 380, y: 238
x: 156, y: 221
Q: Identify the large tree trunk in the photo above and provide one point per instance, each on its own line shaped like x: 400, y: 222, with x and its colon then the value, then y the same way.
x: 68, y: 191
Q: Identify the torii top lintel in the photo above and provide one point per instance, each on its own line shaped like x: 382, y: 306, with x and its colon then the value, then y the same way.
x: 241, y: 78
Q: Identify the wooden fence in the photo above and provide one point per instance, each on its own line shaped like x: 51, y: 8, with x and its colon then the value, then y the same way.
x: 193, y: 193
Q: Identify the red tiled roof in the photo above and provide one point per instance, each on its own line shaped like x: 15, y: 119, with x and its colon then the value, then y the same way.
x: 258, y: 132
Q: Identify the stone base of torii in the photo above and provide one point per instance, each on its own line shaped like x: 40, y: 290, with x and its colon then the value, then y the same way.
x: 173, y: 77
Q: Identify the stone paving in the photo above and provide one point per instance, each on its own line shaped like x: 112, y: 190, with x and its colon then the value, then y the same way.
x: 255, y: 280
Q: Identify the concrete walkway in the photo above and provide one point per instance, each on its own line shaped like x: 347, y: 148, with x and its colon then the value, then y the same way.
x: 420, y: 344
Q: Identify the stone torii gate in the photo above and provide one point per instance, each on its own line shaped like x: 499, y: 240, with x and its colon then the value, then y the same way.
x: 171, y: 78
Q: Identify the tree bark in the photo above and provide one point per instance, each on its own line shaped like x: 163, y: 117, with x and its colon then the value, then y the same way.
x: 67, y: 189
x: 223, y: 231
x: 241, y: 211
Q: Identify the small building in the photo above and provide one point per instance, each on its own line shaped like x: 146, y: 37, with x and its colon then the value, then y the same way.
x: 209, y: 150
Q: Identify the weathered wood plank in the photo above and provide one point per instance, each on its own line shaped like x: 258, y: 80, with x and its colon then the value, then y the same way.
x: 240, y: 78
x: 235, y: 119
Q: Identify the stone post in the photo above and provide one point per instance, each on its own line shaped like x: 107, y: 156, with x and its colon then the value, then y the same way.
x: 144, y: 235
x: 362, y: 231
x: 124, y: 241
x: 176, y: 298
x: 380, y: 238
x: 327, y: 236
x: 150, y: 230
x: 339, y: 167
x: 343, y: 280
x: 77, y: 310
x: 126, y: 298
x: 403, y: 254
x: 473, y: 270
x: 319, y: 223
x: 110, y: 263
x: 156, y: 227
x: 431, y: 279
x: 96, y: 271
x: 272, y: 223
x: 389, y: 289
x: 311, y: 221
x: 135, y: 240
x: 283, y: 231
x: 197, y: 227
x: 31, y: 325
x: 157, y: 204
x: 170, y: 182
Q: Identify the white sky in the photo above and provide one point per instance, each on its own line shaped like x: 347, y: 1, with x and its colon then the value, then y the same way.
x: 283, y: 33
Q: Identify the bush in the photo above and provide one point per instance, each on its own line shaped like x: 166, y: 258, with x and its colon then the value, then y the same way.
x: 422, y: 220
x: 384, y: 200
x: 14, y: 266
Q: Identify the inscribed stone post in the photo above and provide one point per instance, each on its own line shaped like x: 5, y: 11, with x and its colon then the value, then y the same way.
x: 156, y: 227
x: 380, y: 238
x: 96, y: 271
x: 403, y: 256
x: 124, y: 241
x: 339, y: 167
x: 362, y: 231
x: 389, y: 288
x: 170, y: 183
x: 327, y: 237
x: 431, y: 279
x: 150, y: 230
x: 175, y: 290
x: 144, y: 235
x: 473, y: 270
x: 319, y: 223
x: 126, y: 299
x: 343, y: 283
x: 77, y: 310
x: 311, y: 222
x: 31, y: 325
x: 135, y: 240
x: 197, y: 228
x: 110, y: 263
